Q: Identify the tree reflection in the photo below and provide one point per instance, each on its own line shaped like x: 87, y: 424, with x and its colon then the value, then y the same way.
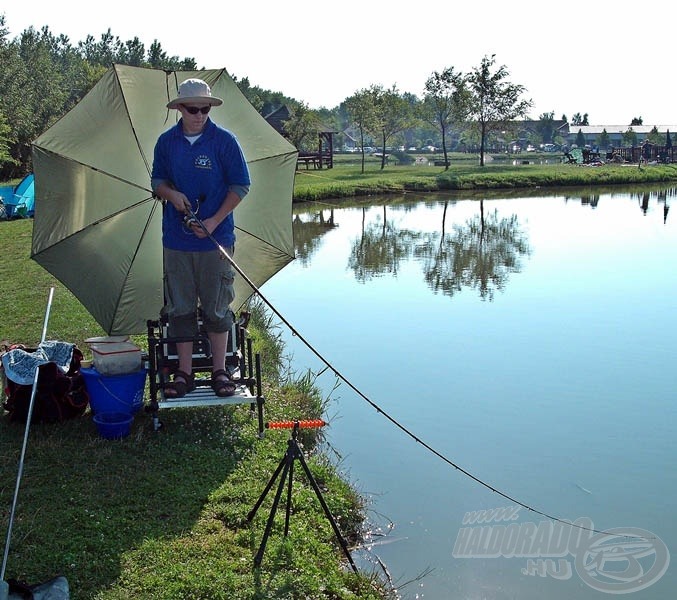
x: 479, y: 254
x: 380, y: 249
x: 307, y: 234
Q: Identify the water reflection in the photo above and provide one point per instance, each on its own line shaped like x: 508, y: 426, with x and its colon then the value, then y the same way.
x: 479, y: 254
x: 645, y: 197
x: 538, y: 392
x: 380, y: 248
x: 309, y: 231
x: 496, y: 242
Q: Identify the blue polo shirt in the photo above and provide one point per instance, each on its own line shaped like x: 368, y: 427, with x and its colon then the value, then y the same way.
x: 203, y: 171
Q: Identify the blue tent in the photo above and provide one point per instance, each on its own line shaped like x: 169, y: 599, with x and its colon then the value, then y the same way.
x: 22, y: 202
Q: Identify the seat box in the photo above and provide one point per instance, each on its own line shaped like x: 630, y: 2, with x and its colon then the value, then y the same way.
x: 107, y: 339
x: 116, y: 358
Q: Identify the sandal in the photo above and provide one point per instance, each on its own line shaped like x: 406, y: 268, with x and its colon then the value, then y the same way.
x: 181, y: 386
x: 222, y: 387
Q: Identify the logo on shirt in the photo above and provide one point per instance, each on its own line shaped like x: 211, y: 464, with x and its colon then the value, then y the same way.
x: 203, y: 162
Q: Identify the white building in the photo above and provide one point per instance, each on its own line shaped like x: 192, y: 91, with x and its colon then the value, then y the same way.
x: 592, y: 133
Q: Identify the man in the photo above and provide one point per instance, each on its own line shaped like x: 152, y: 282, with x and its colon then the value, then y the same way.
x: 200, y: 166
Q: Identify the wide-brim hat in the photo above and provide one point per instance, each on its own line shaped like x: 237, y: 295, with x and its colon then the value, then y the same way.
x: 194, y: 90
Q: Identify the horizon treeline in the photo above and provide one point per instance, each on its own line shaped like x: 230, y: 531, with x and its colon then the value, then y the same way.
x: 43, y: 75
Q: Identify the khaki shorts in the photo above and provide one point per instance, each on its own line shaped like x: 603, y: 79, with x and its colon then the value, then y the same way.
x: 193, y: 279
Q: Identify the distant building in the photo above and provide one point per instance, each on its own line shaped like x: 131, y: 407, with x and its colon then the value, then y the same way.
x: 592, y: 133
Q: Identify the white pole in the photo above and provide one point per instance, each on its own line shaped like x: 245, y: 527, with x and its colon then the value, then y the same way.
x: 3, y: 584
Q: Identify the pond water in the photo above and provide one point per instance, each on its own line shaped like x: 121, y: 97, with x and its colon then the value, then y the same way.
x: 516, y: 353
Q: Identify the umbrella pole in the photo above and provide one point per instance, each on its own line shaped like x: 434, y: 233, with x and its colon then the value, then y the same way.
x: 4, y: 587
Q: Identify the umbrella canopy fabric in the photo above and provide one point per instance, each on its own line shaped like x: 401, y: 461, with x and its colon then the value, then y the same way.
x: 97, y: 227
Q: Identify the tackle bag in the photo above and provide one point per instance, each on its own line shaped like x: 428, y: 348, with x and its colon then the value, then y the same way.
x: 54, y: 589
x: 59, y: 396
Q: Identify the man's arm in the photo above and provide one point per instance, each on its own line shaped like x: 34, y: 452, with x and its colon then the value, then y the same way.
x: 230, y: 202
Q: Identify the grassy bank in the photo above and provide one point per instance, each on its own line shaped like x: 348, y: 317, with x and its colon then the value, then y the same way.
x: 163, y: 515
x: 346, y: 178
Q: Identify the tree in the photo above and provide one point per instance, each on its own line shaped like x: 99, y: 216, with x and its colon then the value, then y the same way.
x: 580, y: 139
x: 11, y: 74
x: 103, y: 52
x: 393, y: 115
x: 579, y: 119
x: 132, y: 53
x: 494, y: 101
x: 654, y: 137
x: 302, y: 126
x: 636, y: 121
x: 42, y: 76
x: 604, y: 139
x: 445, y: 102
x: 362, y: 111
x: 630, y: 137
x: 546, y: 127
x: 5, y: 142
x: 41, y: 89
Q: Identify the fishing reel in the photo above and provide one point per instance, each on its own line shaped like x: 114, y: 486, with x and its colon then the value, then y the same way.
x: 190, y: 220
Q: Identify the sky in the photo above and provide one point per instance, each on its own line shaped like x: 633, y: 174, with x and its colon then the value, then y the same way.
x: 609, y: 60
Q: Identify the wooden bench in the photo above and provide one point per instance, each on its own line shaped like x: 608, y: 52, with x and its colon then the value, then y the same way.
x: 308, y: 159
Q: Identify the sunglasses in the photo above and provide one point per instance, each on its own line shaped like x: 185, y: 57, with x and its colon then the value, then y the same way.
x: 193, y: 110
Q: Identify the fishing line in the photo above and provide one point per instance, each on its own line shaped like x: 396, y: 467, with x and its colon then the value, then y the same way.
x: 379, y: 410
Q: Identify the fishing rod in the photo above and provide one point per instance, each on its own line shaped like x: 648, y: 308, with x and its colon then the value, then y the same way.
x: 192, y: 219
x: 29, y: 416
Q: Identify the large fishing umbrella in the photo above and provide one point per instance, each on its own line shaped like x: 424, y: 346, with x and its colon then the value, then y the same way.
x: 97, y: 227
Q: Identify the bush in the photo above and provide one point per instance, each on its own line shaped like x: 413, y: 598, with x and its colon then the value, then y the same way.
x: 403, y: 158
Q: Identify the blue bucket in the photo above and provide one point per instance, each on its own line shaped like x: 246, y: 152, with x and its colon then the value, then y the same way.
x: 113, y: 426
x: 114, y: 393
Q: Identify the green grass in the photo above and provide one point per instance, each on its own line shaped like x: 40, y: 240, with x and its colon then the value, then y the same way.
x: 163, y: 515
x: 347, y: 179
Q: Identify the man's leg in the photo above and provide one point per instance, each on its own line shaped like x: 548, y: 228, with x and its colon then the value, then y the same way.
x: 181, y: 306
x: 184, y: 350
x: 221, y: 382
x: 219, y: 343
x: 216, y: 276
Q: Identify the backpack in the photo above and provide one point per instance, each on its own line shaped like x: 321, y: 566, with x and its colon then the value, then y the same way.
x: 59, y: 396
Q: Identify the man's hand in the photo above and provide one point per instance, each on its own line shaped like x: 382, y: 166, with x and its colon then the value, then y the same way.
x: 210, y: 224
x: 179, y: 201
